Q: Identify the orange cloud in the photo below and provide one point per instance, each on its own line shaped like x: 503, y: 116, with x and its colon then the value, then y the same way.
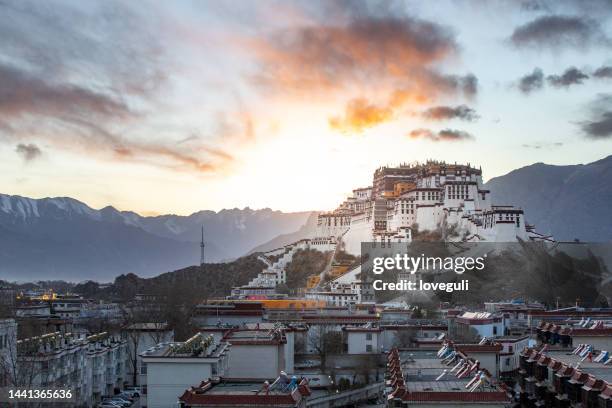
x: 360, y: 115
x: 397, y: 55
x: 328, y: 56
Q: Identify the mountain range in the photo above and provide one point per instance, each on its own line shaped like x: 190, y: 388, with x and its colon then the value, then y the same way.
x: 62, y: 238
x: 569, y: 202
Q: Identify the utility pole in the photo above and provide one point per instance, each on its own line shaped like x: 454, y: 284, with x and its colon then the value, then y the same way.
x: 202, y: 259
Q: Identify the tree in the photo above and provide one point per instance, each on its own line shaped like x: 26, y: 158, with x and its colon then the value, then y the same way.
x: 404, y: 338
x: 366, y: 365
x: 283, y: 289
x: 324, y: 341
x: 134, y: 316
x: 87, y: 289
x: 19, y: 365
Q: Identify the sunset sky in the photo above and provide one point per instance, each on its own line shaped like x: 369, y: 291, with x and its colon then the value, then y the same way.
x: 175, y: 107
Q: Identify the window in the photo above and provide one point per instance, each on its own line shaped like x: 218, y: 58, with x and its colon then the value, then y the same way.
x: 507, y: 362
x: 368, y: 348
x: 143, y: 368
x: 494, y: 330
x: 368, y: 336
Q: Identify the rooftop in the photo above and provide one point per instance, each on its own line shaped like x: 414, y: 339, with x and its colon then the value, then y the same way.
x: 231, y: 392
x: 150, y: 326
x: 598, y: 370
x: 198, y: 346
x: 423, y: 376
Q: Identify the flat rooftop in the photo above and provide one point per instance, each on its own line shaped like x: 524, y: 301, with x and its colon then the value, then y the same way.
x: 421, y: 368
x: 249, y: 388
x: 598, y: 370
x: 238, y: 388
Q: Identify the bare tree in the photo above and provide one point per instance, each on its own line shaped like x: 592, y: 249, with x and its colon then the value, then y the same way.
x: 324, y: 342
x: 366, y: 365
x: 142, y: 321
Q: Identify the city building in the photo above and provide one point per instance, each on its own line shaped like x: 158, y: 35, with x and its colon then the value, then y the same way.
x: 428, y: 195
x: 484, y: 324
x: 91, y: 366
x: 560, y: 379
x: 243, y: 394
x: 449, y: 379
x: 363, y: 340
x: 260, y: 352
x: 167, y: 369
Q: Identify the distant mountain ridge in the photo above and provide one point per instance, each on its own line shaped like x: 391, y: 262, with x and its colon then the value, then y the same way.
x: 64, y: 238
x: 569, y: 202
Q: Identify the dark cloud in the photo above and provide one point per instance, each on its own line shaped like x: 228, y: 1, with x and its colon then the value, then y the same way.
x: 599, y: 126
x: 539, y: 145
x: 329, y: 55
x: 462, y: 112
x: 73, y: 117
x: 558, y: 31
x: 533, y: 5
x: 28, y: 152
x: 531, y: 82
x: 603, y: 72
x: 89, y: 87
x: 571, y: 76
x: 344, y: 47
x: 445, y: 135
x: 467, y: 85
x: 591, y: 7
x: 22, y: 95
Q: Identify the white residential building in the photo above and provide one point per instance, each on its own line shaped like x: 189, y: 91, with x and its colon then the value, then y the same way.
x: 363, y: 340
x: 484, y: 323
x: 261, y: 353
x: 169, y: 368
x: 92, y: 367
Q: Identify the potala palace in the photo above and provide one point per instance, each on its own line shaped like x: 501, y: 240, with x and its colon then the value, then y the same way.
x: 435, y: 196
x: 448, y: 200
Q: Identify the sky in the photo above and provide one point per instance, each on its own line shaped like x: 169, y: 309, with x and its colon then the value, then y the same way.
x: 176, y: 107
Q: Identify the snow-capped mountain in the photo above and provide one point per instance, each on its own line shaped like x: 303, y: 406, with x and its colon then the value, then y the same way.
x: 66, y: 239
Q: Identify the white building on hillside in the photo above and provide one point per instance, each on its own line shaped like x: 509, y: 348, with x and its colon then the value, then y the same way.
x: 276, y: 261
x: 434, y: 196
